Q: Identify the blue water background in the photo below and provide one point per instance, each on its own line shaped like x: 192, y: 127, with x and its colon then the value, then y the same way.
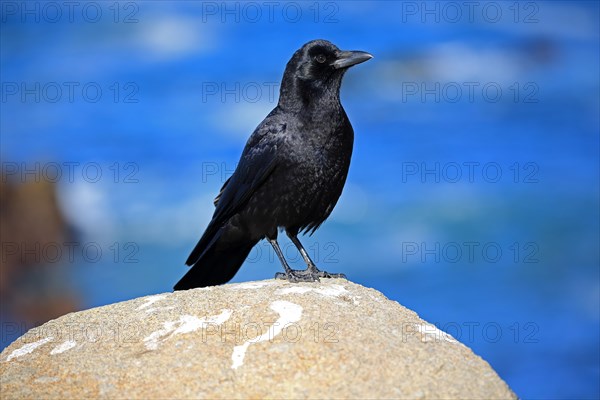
x: 201, y: 78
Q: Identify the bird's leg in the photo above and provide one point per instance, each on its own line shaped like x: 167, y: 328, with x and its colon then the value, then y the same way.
x: 310, y: 265
x: 290, y: 274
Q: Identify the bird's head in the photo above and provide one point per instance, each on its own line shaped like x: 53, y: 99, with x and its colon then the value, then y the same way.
x: 316, y: 70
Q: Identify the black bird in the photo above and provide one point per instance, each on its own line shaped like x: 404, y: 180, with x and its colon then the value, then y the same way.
x: 291, y: 172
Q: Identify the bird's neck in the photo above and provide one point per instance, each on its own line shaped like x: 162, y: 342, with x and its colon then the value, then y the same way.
x: 298, y: 95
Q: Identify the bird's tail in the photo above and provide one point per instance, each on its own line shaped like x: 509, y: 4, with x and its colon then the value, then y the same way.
x: 215, y: 263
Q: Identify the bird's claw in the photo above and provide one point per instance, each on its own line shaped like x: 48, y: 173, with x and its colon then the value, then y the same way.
x: 325, y: 274
x: 307, y: 275
x: 298, y: 276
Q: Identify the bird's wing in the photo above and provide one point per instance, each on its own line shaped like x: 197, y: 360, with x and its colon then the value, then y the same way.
x: 252, y: 171
x: 216, y: 200
x: 257, y: 163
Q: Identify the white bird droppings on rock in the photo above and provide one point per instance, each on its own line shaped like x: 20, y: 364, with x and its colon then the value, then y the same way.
x: 288, y: 313
x: 325, y: 290
x: 431, y: 333
x: 185, y: 324
x: 61, y: 348
x: 28, y: 348
x: 251, y: 285
x: 151, y: 300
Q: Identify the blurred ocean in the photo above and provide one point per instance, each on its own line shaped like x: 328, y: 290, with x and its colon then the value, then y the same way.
x: 473, y: 194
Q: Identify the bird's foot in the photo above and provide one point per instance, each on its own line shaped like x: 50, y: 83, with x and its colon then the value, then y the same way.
x: 295, y: 275
x: 325, y: 274
x: 307, y: 275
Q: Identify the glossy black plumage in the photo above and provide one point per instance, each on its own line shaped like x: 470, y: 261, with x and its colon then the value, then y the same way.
x: 291, y: 172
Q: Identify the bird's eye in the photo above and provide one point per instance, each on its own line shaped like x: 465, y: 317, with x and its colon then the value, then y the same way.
x: 320, y: 58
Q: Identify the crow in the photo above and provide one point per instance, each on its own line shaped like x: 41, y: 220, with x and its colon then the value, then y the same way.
x: 290, y: 175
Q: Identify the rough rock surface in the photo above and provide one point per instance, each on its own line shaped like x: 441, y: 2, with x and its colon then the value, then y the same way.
x: 276, y: 339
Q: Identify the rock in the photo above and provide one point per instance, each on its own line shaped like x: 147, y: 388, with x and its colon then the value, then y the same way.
x: 333, y: 339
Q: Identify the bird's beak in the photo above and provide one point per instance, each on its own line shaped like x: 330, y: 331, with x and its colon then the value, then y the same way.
x: 347, y: 59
